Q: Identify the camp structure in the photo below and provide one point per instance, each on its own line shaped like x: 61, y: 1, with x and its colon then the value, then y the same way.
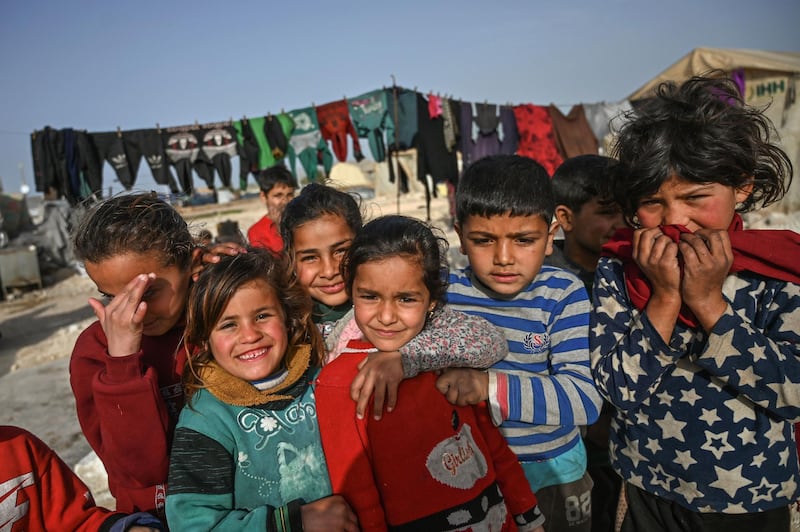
x: 769, y: 80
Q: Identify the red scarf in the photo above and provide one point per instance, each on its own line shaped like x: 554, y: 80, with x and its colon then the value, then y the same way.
x: 773, y: 253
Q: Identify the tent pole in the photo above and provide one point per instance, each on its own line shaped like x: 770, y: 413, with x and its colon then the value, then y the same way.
x: 396, y: 138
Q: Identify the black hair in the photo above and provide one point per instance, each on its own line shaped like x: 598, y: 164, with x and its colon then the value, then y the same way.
x: 140, y: 223
x: 269, y: 177
x: 396, y: 235
x: 703, y: 132
x: 582, y: 178
x: 504, y: 184
x: 316, y: 200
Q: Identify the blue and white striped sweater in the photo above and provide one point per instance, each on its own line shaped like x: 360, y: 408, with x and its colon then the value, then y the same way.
x: 543, y: 390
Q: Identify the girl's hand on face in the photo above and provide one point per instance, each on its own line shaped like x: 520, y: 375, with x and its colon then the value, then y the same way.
x: 123, y: 318
x: 657, y: 256
x: 381, y: 374
x: 707, y: 259
x: 329, y: 514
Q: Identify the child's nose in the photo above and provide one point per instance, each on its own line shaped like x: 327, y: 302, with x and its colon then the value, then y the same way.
x: 502, y: 252
x: 386, y: 314
x: 675, y: 215
x: 330, y: 267
x: 250, y: 332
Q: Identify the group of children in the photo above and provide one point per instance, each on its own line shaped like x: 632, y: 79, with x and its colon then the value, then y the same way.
x: 219, y: 395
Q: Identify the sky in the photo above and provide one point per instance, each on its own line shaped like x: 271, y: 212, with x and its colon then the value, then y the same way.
x: 99, y: 65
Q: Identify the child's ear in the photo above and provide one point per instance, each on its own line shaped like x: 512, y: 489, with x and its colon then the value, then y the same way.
x: 563, y: 216
x: 551, y: 234
x: 743, y: 192
x: 197, y: 262
x: 457, y: 229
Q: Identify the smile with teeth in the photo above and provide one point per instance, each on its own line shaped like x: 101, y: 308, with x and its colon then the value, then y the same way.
x: 251, y: 355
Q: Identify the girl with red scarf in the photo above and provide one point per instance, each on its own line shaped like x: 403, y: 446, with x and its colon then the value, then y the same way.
x: 695, y: 328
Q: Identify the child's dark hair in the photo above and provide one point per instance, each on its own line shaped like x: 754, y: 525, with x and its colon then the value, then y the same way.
x: 138, y: 223
x: 580, y: 179
x: 702, y: 132
x: 396, y: 235
x: 504, y: 184
x: 269, y: 177
x: 216, y: 286
x: 314, y: 201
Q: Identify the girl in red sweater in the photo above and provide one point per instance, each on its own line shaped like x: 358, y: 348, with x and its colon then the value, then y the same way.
x: 126, y: 367
x: 429, y: 465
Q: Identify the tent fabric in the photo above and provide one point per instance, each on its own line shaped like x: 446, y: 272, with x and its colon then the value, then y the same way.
x: 701, y: 60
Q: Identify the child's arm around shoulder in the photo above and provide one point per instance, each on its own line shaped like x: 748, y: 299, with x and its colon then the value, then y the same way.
x: 453, y: 339
x: 450, y: 338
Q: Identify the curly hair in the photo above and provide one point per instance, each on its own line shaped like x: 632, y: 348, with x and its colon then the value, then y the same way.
x: 138, y: 223
x: 396, y: 235
x: 213, y: 290
x: 703, y: 132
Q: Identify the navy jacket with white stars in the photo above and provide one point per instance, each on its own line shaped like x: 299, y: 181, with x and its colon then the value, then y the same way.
x: 706, y: 421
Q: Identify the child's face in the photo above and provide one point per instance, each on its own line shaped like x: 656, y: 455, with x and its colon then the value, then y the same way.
x: 506, y: 252
x: 593, y: 224
x: 276, y: 199
x: 319, y: 246
x: 166, y: 295
x: 390, y: 301
x: 250, y: 339
x: 693, y: 205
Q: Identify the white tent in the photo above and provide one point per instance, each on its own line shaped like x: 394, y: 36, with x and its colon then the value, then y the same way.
x: 771, y: 80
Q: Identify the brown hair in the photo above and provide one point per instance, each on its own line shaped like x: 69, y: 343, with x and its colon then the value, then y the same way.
x: 213, y: 290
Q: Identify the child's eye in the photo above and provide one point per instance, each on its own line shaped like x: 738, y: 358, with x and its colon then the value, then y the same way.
x: 261, y: 316
x: 225, y: 325
x: 340, y: 252
x: 526, y: 241
x: 308, y: 258
x: 408, y: 300
x: 481, y: 241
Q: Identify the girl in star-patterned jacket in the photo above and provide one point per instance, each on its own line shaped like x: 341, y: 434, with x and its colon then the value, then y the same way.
x: 695, y: 328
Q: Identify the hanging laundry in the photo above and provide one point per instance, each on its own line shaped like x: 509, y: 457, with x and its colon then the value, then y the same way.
x: 151, y: 145
x: 573, y: 134
x: 433, y: 157
x: 307, y: 144
x: 450, y: 127
x: 83, y: 166
x: 123, y: 157
x: 536, y: 136
x: 369, y: 113
x: 182, y: 148
x: 509, y: 135
x: 434, y: 106
x: 605, y: 118
x: 218, y: 146
x: 481, y: 131
x: 287, y: 127
x: 403, y: 112
x: 335, y: 125
x: 276, y: 138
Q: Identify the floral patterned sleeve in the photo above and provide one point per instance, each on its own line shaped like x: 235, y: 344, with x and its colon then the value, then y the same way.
x: 453, y: 339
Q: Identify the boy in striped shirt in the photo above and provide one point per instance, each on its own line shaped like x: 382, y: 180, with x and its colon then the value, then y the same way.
x: 543, y: 391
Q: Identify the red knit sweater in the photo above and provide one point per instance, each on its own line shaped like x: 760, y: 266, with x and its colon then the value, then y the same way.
x: 127, y: 408
x: 422, y: 464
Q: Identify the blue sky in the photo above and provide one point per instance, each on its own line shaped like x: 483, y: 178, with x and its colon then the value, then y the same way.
x: 97, y: 65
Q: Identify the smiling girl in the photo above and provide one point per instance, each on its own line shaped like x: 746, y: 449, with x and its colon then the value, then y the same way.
x: 429, y: 465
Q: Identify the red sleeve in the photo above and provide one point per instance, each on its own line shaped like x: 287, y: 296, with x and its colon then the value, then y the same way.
x: 344, y: 441
x: 510, y: 477
x: 264, y: 234
x: 49, y: 496
x: 125, y: 416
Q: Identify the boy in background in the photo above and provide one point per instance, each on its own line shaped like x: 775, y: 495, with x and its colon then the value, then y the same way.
x: 277, y: 186
x: 588, y: 216
x: 542, y: 392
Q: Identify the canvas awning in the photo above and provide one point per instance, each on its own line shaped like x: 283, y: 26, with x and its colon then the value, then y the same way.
x: 701, y: 60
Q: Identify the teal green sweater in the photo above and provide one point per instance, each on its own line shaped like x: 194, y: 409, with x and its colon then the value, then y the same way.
x: 238, y: 468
